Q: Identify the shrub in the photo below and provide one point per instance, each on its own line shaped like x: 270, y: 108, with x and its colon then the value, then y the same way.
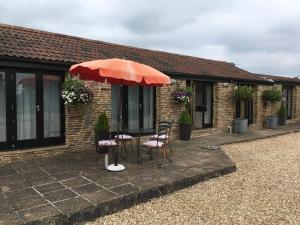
x: 75, y: 92
x: 282, y: 111
x: 185, y: 118
x: 273, y: 95
x: 243, y: 93
x: 102, y: 126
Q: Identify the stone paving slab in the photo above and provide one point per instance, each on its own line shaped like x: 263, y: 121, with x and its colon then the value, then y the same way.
x: 62, y: 191
x: 74, y: 186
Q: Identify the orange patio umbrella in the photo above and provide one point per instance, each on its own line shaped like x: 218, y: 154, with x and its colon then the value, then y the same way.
x: 123, y: 72
x: 120, y: 71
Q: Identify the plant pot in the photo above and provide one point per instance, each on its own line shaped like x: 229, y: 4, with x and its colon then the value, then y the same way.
x: 185, y: 131
x: 282, y: 120
x: 271, y: 122
x: 240, y: 126
x: 99, y: 137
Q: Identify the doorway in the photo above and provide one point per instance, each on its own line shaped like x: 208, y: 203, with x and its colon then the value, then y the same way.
x: 31, y: 109
x: 288, y: 100
x: 202, y: 105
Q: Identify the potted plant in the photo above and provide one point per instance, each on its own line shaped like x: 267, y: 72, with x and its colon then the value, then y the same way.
x: 242, y: 94
x: 271, y: 96
x: 282, y: 114
x: 185, y: 126
x: 102, y: 130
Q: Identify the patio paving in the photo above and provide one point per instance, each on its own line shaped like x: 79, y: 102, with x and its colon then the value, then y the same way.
x: 74, y: 186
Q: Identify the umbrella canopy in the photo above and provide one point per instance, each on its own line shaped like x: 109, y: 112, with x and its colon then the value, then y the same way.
x: 119, y: 71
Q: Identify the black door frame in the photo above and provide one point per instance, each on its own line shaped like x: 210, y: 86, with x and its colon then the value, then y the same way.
x: 289, y: 89
x: 207, y: 85
x: 204, y: 100
x: 11, y: 113
x: 141, y: 107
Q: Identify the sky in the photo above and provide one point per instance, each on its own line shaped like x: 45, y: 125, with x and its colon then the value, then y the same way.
x: 261, y: 36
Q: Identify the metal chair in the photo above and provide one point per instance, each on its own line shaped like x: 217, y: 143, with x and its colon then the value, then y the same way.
x: 103, y: 144
x: 165, y: 138
x: 123, y: 139
x: 157, y: 143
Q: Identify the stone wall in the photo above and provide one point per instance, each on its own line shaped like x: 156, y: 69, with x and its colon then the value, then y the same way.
x: 296, y: 103
x: 80, y: 120
x: 263, y: 109
x: 223, y: 106
x: 166, y: 109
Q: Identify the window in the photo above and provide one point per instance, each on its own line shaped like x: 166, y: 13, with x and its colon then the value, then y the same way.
x: 138, y: 106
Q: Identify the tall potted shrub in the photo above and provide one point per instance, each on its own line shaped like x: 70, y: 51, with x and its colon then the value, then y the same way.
x: 243, y: 94
x: 185, y: 126
x: 272, y: 96
x: 102, y: 129
x: 282, y: 114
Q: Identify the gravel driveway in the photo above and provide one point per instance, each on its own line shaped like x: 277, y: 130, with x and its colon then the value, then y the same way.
x: 264, y: 190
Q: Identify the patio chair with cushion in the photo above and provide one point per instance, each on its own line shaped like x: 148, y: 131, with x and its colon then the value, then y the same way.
x: 103, y: 144
x: 157, y: 143
x: 165, y: 138
x: 124, y: 139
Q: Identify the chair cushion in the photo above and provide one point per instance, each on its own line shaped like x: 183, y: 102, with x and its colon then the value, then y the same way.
x: 161, y: 137
x: 153, y: 144
x: 107, y: 143
x: 123, y: 137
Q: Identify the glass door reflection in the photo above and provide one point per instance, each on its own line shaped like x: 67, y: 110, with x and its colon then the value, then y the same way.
x: 26, y: 106
x: 3, y: 135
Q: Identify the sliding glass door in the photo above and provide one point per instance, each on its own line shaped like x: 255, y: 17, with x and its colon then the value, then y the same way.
x: 203, y: 105
x: 288, y: 99
x: 31, y: 110
x: 3, y: 135
x: 26, y: 106
x: 138, y: 106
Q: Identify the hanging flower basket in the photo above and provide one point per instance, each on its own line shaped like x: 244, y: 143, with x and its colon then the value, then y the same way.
x: 181, y: 96
x: 75, y: 92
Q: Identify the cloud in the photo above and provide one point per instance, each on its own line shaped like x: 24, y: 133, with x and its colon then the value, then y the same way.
x: 260, y: 36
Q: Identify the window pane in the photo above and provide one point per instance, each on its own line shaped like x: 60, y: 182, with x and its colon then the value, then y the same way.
x: 148, y: 107
x: 133, y: 107
x: 26, y: 106
x: 2, y: 107
x: 51, y: 86
x: 208, y: 100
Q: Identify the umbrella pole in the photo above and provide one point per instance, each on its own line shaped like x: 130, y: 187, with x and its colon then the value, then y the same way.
x: 116, y: 166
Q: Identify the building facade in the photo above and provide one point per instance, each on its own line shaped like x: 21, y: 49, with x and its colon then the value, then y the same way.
x: 33, y: 65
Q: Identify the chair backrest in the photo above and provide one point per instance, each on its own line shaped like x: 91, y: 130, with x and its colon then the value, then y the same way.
x: 164, y: 127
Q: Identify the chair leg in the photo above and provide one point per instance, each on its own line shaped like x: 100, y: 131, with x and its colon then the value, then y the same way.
x: 157, y: 155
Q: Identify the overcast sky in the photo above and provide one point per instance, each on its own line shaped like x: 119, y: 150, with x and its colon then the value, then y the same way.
x: 261, y: 36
